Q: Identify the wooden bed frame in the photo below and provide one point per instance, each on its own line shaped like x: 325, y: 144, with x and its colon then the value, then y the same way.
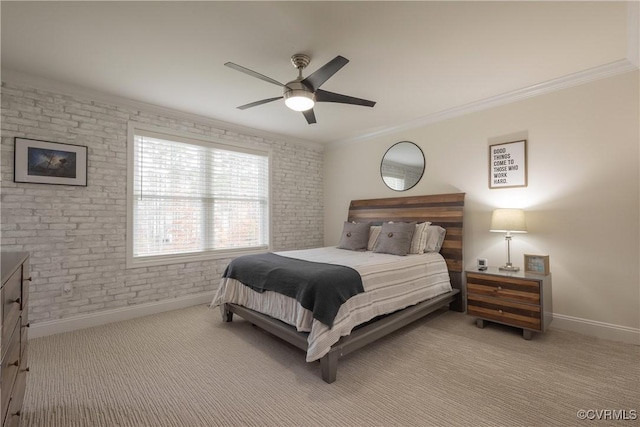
x: 445, y: 210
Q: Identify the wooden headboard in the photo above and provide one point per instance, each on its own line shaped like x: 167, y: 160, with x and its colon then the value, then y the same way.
x: 445, y: 210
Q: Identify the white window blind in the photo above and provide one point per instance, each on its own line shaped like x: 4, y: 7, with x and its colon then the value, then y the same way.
x: 395, y: 183
x: 192, y: 197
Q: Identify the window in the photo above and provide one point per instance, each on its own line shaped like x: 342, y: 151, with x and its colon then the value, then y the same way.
x: 394, y: 182
x: 194, y: 199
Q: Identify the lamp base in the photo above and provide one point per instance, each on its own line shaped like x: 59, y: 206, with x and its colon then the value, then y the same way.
x: 509, y: 268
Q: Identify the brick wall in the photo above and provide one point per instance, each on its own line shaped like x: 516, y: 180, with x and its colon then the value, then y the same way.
x: 76, y: 235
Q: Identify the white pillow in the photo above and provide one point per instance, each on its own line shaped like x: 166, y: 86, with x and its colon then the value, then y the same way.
x: 374, y: 232
x: 419, y: 240
x: 435, y: 237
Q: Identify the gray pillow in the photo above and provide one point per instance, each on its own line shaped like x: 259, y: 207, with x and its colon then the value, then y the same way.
x: 395, y: 238
x: 355, y: 236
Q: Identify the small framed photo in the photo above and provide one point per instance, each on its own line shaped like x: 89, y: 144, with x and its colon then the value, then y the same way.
x: 44, y: 162
x: 536, y: 264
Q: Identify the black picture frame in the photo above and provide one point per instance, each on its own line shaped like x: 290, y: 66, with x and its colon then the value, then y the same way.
x: 45, y: 162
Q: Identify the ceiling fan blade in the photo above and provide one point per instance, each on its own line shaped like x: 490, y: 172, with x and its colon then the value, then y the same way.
x: 322, y: 74
x: 324, y: 96
x: 255, y: 104
x: 253, y: 73
x: 310, y: 116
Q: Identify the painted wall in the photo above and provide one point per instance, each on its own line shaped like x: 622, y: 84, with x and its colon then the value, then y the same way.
x: 76, y: 235
x: 582, y: 199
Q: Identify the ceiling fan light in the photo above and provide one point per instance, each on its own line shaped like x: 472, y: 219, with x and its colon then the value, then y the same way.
x: 299, y: 100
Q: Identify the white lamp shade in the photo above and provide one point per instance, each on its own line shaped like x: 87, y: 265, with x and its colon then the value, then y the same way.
x: 508, y: 220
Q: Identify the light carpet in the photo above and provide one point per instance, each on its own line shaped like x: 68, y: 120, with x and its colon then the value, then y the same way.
x: 188, y: 368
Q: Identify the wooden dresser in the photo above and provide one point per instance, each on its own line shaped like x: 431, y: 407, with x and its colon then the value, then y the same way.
x: 517, y: 299
x: 13, y: 341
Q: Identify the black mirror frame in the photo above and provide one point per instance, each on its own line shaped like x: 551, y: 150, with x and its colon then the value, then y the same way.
x: 424, y: 164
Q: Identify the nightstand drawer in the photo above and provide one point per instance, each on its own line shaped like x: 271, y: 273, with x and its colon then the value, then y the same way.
x: 503, y: 291
x: 508, y: 312
x: 508, y: 288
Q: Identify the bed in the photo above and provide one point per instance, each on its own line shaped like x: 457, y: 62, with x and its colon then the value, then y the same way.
x: 356, y: 323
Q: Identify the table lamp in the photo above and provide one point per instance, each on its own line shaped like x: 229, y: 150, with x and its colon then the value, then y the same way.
x: 508, y: 221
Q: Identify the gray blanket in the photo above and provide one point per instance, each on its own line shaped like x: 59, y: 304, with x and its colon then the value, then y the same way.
x: 320, y: 288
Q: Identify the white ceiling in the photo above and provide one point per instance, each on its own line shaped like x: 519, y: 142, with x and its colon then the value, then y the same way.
x: 414, y: 58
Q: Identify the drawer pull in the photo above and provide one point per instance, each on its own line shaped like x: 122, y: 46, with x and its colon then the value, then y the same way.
x: 499, y: 288
x: 500, y: 311
x: 25, y: 370
x: 28, y: 279
x: 16, y: 414
x: 27, y: 325
x: 16, y: 301
x: 16, y: 363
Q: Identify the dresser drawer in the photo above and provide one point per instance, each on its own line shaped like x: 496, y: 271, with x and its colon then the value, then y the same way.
x: 24, y: 293
x: 11, y: 305
x: 508, y: 312
x: 14, y: 308
x: 14, y: 412
x: 9, y: 368
x: 24, y: 336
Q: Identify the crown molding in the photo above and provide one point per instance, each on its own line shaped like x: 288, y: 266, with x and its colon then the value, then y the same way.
x: 18, y: 78
x: 575, y: 79
x: 630, y: 63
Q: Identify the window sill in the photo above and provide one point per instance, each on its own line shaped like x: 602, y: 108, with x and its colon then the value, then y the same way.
x: 154, y: 261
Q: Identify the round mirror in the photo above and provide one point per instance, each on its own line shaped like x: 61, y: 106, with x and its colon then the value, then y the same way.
x: 402, y: 166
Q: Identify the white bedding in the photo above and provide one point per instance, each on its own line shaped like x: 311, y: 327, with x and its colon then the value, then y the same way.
x: 390, y: 283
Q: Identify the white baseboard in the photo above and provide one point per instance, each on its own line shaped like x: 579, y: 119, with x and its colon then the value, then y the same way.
x: 596, y: 329
x: 41, y: 329
x: 583, y: 326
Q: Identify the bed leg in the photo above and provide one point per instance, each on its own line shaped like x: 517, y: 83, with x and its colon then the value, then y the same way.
x: 329, y: 367
x: 227, y: 315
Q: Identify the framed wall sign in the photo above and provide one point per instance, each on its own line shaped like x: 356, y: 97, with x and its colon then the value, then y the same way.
x: 508, y: 165
x: 537, y: 264
x: 44, y: 162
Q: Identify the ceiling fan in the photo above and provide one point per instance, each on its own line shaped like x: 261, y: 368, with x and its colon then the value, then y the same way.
x: 302, y: 93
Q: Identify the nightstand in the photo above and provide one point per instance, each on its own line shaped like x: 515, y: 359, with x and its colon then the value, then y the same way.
x: 516, y: 299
